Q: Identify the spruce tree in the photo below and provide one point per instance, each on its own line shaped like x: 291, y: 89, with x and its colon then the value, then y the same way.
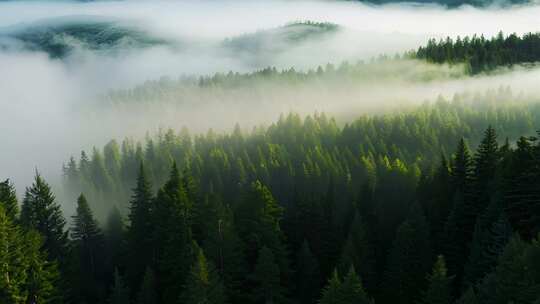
x: 308, y: 276
x: 41, y: 212
x: 267, y: 278
x: 439, y: 289
x: 358, y: 252
x: 203, y: 283
x: 140, y: 230
x: 88, y: 245
x: 8, y: 199
x: 173, y: 237
x: 409, y: 260
x: 331, y: 293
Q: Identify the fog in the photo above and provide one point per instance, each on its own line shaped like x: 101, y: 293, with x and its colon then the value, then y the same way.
x: 50, y: 107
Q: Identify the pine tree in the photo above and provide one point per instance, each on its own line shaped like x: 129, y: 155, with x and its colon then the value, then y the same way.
x: 308, y: 276
x: 147, y: 291
x: 88, y: 250
x: 267, y: 277
x: 203, y: 284
x: 140, y: 230
x: 8, y: 199
x: 331, y: 293
x: 41, y: 212
x: 119, y: 293
x: 439, y: 285
x: 12, y: 273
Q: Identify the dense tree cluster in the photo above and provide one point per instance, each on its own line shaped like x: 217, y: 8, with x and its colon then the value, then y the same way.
x: 481, y: 54
x: 388, y: 209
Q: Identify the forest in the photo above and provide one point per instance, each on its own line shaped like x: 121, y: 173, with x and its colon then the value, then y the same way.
x: 393, y: 208
x: 409, y: 177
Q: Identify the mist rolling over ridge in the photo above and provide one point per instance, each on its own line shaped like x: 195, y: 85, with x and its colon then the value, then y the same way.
x: 69, y: 54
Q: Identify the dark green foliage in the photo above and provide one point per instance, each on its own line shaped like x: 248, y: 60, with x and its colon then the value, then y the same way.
x: 173, y: 236
x: 350, y: 290
x: 439, y: 289
x: 8, y: 199
x: 203, y: 283
x: 409, y: 260
x: 308, y: 275
x: 481, y: 54
x: 148, y: 292
x: 140, y: 231
x: 88, y: 255
x: 359, y: 253
x: 267, y: 278
x: 41, y: 213
x: 120, y: 292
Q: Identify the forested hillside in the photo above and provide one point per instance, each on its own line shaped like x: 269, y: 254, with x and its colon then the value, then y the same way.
x: 393, y: 208
x: 482, y: 54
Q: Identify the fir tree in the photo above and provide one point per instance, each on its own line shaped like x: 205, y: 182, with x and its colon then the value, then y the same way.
x: 41, y: 212
x: 88, y: 250
x: 8, y: 199
x: 140, y: 230
x: 203, y: 284
x: 439, y: 285
x: 308, y: 276
x: 267, y: 277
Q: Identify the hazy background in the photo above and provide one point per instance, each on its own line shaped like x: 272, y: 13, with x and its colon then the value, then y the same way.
x: 48, y: 104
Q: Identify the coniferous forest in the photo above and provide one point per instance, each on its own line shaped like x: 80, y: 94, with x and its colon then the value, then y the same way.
x: 381, y: 192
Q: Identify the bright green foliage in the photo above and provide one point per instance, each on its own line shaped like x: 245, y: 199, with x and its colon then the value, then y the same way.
x: 203, y: 283
x: 439, y: 285
x: 25, y: 274
x: 41, y: 213
x: 8, y: 199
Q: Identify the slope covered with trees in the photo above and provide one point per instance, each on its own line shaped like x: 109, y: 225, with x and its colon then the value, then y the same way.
x: 481, y: 54
x: 393, y: 209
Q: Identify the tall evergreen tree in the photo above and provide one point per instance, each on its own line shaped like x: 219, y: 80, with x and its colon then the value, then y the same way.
x: 308, y: 276
x: 267, y: 277
x: 140, y: 230
x: 203, y: 284
x: 173, y: 236
x: 409, y: 260
x: 41, y: 212
x: 439, y: 289
x: 88, y: 245
x: 8, y: 199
